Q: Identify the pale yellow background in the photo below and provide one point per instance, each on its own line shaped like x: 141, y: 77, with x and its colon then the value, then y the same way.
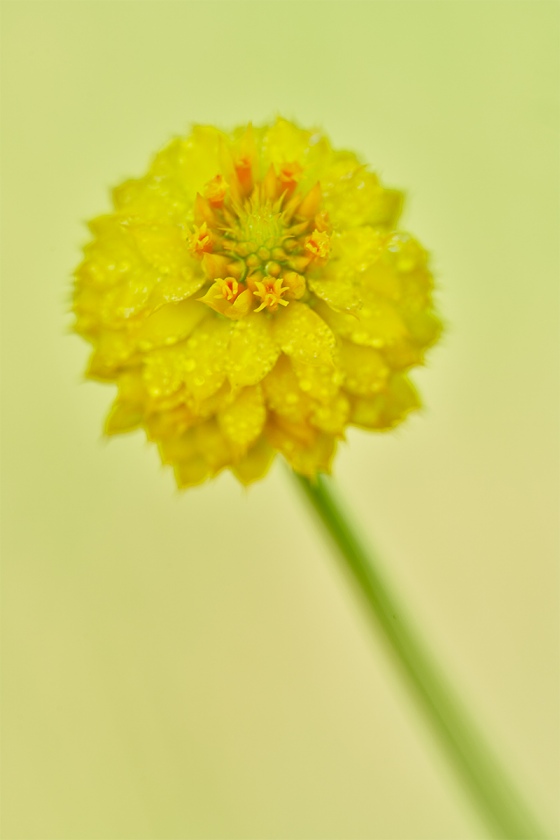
x: 195, y: 666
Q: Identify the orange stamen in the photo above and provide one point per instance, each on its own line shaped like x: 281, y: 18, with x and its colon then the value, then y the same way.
x: 244, y: 174
x: 289, y: 176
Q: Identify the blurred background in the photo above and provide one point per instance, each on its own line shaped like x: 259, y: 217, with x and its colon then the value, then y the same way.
x: 195, y: 665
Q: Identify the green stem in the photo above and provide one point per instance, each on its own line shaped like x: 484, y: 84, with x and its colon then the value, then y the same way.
x: 479, y: 770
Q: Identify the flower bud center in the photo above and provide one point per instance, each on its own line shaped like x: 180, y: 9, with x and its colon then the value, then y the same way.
x: 267, y: 233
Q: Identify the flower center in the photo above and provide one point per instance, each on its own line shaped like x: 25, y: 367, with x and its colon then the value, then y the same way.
x: 256, y: 239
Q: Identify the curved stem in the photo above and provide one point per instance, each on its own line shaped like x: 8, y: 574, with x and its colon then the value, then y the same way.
x: 479, y: 770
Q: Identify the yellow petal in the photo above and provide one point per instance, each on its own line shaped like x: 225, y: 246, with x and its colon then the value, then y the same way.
x: 404, y: 355
x: 190, y: 161
x: 340, y: 293
x: 178, y: 448
x: 174, y: 288
x: 357, y: 249
x: 377, y: 324
x: 382, y: 279
x: 153, y: 198
x: 171, y: 422
x: 213, y: 446
x: 256, y: 463
x: 303, y: 335
x: 424, y: 326
x: 163, y: 246
x: 203, y: 359
x: 283, y: 393
x: 170, y: 324
x: 131, y: 386
x: 365, y: 370
x: 242, y: 305
x: 387, y: 409
x: 115, y: 281
x: 123, y: 418
x: 109, y: 255
x: 251, y: 352
x: 286, y: 142
x: 308, y: 455
x: 191, y: 473
x: 212, y: 405
x: 387, y: 208
x: 115, y: 349
x: 353, y: 196
x: 235, y: 310
x: 318, y: 381
x: 129, y: 408
x: 243, y: 420
x: 354, y: 252
x: 331, y: 417
x: 163, y: 372
x: 405, y: 253
x: 87, y: 299
x: 168, y: 402
x: 129, y: 298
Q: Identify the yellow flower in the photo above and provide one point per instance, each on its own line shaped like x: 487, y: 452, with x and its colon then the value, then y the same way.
x: 250, y: 295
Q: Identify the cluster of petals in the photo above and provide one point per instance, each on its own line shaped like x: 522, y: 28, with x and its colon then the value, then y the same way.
x: 251, y: 295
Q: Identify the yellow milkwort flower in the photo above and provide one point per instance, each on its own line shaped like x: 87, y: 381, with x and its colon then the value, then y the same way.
x: 251, y: 295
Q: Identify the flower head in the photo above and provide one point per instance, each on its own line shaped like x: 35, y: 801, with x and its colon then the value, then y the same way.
x: 250, y: 295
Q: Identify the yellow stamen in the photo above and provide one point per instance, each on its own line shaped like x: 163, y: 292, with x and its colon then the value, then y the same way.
x: 318, y: 245
x: 270, y: 291
x: 322, y: 222
x: 201, y: 241
x: 229, y: 298
x: 228, y: 288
